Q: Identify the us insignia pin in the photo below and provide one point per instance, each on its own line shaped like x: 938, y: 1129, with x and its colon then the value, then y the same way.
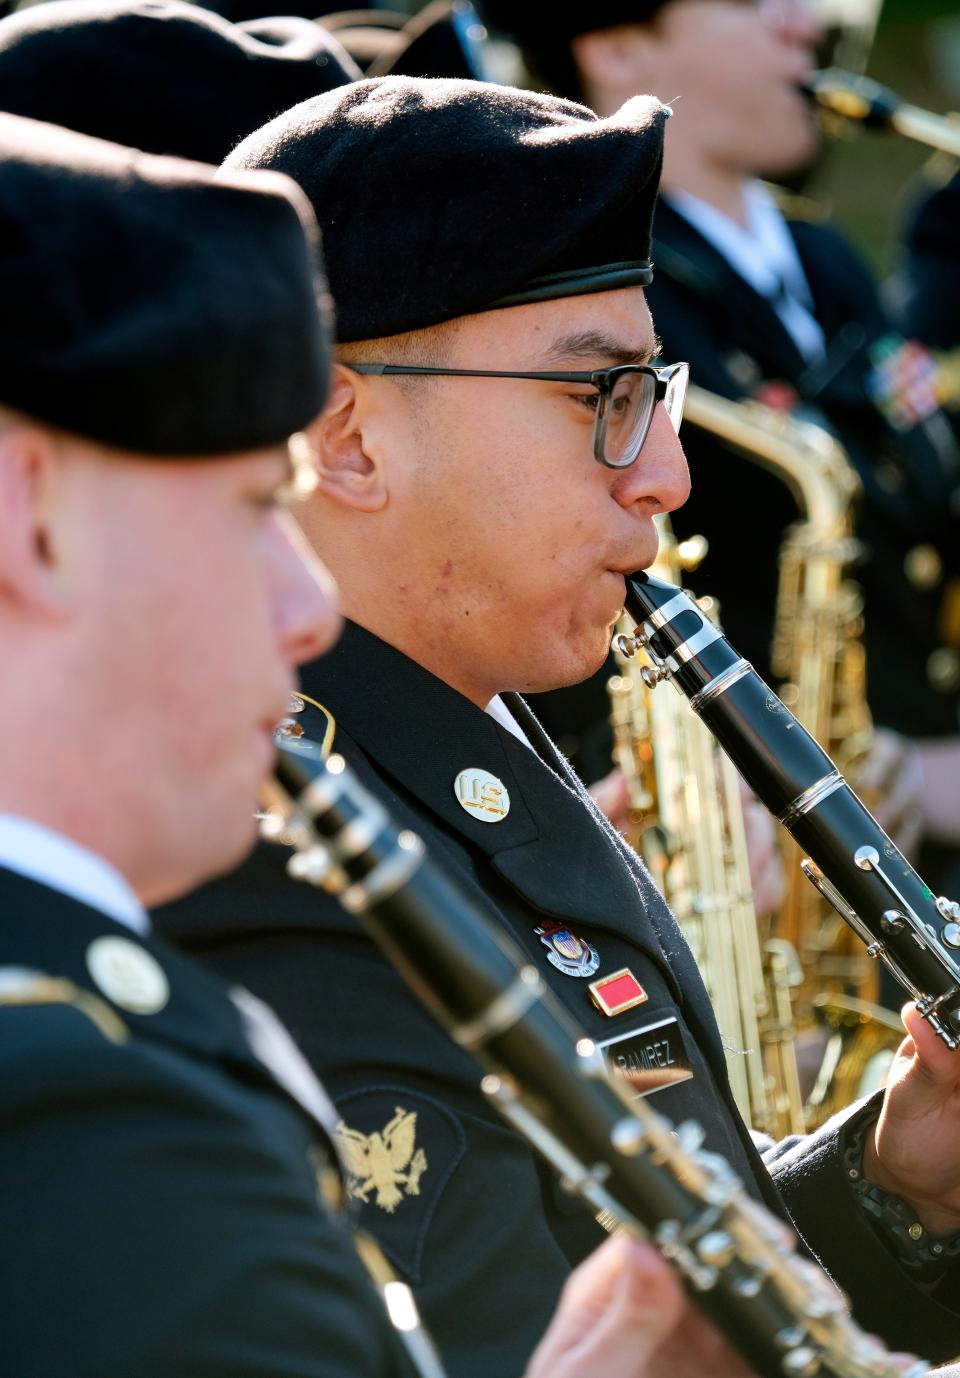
x: 566, y: 951
x: 128, y: 975
x: 482, y: 795
x: 617, y: 992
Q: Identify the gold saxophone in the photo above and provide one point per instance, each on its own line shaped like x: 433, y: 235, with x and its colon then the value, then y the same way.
x: 687, y: 818
x: 818, y: 654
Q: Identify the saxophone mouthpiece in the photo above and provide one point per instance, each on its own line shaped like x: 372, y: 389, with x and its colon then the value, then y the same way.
x: 852, y: 97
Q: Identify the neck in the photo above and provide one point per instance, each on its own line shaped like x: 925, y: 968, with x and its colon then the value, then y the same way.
x: 420, y: 633
x: 50, y: 774
x: 721, y: 187
x: 73, y: 818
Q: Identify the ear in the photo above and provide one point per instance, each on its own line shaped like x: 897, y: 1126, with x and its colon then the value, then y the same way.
x: 348, y: 466
x: 30, y: 565
x: 616, y: 60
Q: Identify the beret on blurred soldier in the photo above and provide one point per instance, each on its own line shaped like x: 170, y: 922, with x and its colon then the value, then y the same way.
x: 537, y: 22
x: 544, y: 32
x: 439, y: 198
x: 445, y: 39
x: 162, y: 75
x: 152, y: 304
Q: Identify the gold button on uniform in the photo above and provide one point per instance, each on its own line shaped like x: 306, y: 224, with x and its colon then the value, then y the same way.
x: 943, y: 669
x: 128, y: 975
x: 923, y: 567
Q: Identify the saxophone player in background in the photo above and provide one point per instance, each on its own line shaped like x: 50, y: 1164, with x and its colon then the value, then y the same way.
x: 786, y: 314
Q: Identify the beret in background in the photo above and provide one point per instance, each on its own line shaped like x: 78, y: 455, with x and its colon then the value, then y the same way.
x: 445, y: 39
x: 440, y: 198
x: 162, y: 75
x: 152, y: 304
x: 540, y: 23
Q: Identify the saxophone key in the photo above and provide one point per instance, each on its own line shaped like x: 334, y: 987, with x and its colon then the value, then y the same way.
x: 717, y: 1248
x: 802, y: 1362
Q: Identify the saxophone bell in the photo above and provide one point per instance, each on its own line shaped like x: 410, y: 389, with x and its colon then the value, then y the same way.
x: 818, y: 659
x: 687, y: 823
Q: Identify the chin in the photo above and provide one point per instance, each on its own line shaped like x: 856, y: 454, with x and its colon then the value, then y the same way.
x: 223, y: 847
x: 238, y: 846
x: 796, y: 147
x: 588, y: 663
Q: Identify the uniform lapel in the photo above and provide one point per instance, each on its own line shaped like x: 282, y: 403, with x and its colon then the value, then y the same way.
x: 45, y: 932
x: 550, y: 847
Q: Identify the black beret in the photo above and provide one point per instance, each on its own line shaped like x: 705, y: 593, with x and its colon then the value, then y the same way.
x: 161, y: 75
x: 152, y: 304
x: 439, y: 198
x: 446, y: 39
x: 535, y: 24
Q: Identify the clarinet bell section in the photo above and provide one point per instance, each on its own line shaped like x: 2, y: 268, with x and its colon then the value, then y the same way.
x: 551, y: 1083
x: 849, y: 858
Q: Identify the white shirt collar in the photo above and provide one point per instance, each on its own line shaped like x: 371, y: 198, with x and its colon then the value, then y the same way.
x: 764, y: 255
x: 499, y: 710
x: 41, y: 854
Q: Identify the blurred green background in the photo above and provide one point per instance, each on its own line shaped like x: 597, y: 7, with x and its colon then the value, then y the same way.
x: 869, y: 179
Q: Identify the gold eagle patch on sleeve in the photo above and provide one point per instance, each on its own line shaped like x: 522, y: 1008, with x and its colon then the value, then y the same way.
x: 384, y: 1161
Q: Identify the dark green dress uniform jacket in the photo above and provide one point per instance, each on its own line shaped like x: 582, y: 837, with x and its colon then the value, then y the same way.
x: 465, y: 1210
x: 159, y: 1207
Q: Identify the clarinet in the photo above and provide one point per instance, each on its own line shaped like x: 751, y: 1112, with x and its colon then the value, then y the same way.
x: 850, y: 860
x: 551, y: 1083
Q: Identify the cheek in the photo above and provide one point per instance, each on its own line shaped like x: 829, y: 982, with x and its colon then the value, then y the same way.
x: 513, y: 510
x: 724, y: 76
x: 201, y: 659
x: 478, y: 476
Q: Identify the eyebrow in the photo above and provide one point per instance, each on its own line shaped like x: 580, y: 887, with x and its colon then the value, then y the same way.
x: 591, y: 345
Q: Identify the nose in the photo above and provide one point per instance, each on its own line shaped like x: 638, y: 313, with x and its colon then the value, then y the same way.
x: 659, y: 479
x: 304, y: 603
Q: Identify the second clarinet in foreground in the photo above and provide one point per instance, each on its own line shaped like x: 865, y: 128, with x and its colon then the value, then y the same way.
x: 552, y: 1084
x: 850, y: 859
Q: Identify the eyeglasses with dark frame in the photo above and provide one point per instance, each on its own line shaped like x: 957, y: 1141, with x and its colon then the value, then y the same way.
x: 627, y: 395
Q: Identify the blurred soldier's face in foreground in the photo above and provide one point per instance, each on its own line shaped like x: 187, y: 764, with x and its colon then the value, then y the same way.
x: 151, y: 614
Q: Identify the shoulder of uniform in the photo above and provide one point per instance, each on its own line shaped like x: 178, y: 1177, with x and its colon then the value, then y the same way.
x: 22, y: 988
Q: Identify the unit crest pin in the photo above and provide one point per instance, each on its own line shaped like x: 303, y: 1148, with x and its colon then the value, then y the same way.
x: 568, y: 953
